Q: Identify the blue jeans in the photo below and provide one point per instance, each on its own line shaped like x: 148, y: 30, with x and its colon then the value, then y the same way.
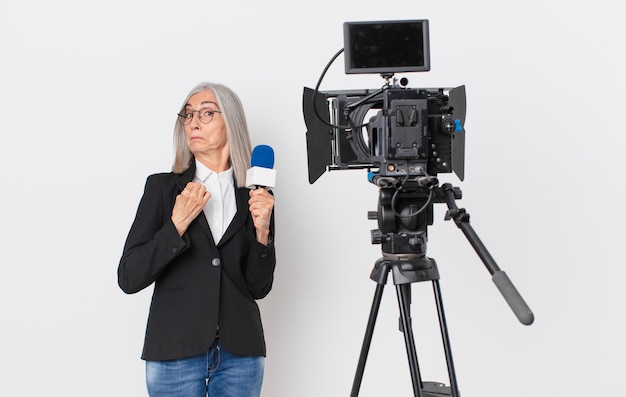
x: 214, y: 373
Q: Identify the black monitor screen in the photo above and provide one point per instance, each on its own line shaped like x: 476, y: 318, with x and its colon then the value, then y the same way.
x: 386, y: 46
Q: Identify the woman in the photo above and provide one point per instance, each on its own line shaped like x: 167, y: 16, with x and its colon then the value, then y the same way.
x: 206, y: 242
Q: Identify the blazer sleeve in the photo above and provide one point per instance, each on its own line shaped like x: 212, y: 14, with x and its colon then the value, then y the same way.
x: 152, y: 242
x: 259, y: 271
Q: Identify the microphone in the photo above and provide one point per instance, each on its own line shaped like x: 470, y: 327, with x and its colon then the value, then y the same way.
x: 261, y: 173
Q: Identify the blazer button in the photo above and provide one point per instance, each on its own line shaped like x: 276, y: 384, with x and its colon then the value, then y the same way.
x: 216, y: 262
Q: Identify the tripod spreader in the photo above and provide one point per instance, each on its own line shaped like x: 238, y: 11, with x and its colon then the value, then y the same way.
x: 499, y: 277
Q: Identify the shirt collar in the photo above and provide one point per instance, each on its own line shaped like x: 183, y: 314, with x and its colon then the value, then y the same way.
x: 203, y: 172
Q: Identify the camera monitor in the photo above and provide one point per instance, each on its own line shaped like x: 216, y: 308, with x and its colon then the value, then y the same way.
x: 386, y: 46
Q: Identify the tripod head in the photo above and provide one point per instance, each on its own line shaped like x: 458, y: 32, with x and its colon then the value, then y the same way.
x: 405, y: 210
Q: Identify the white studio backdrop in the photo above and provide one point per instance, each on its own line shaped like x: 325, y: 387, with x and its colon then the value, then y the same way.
x: 88, y: 96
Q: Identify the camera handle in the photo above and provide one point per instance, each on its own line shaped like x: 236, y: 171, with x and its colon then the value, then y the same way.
x: 499, y: 277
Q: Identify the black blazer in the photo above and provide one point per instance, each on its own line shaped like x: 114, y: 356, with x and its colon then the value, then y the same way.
x: 198, y: 286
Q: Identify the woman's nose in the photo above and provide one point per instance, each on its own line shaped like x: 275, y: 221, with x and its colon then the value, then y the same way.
x: 195, y: 120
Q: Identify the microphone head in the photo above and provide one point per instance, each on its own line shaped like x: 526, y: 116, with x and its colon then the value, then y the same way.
x: 261, y: 171
x: 262, y: 156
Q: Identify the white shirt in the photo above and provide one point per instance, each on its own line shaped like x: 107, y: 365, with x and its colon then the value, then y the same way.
x: 222, y: 206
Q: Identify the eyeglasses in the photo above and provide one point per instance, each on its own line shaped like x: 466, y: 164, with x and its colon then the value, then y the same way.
x: 205, y: 115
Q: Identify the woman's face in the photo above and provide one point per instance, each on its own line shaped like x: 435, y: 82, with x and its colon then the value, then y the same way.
x: 209, y: 138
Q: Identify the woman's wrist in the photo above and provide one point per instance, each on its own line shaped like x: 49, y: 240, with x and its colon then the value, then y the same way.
x: 263, y: 236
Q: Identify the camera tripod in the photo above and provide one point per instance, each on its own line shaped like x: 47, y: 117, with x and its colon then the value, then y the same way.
x: 403, y: 220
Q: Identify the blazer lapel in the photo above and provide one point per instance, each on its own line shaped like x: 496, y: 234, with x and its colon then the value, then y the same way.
x: 186, y: 177
x: 242, y: 197
x: 183, y: 180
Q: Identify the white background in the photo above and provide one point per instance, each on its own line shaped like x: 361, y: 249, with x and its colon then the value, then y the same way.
x: 88, y: 96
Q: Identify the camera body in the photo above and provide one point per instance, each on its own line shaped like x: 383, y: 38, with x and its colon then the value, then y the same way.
x: 410, y: 132
x: 395, y: 131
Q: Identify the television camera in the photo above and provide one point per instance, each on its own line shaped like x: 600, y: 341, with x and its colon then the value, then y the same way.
x: 404, y: 137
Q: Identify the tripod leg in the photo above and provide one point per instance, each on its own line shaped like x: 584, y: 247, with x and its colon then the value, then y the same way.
x: 403, y: 291
x: 446, y: 339
x: 367, y: 340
